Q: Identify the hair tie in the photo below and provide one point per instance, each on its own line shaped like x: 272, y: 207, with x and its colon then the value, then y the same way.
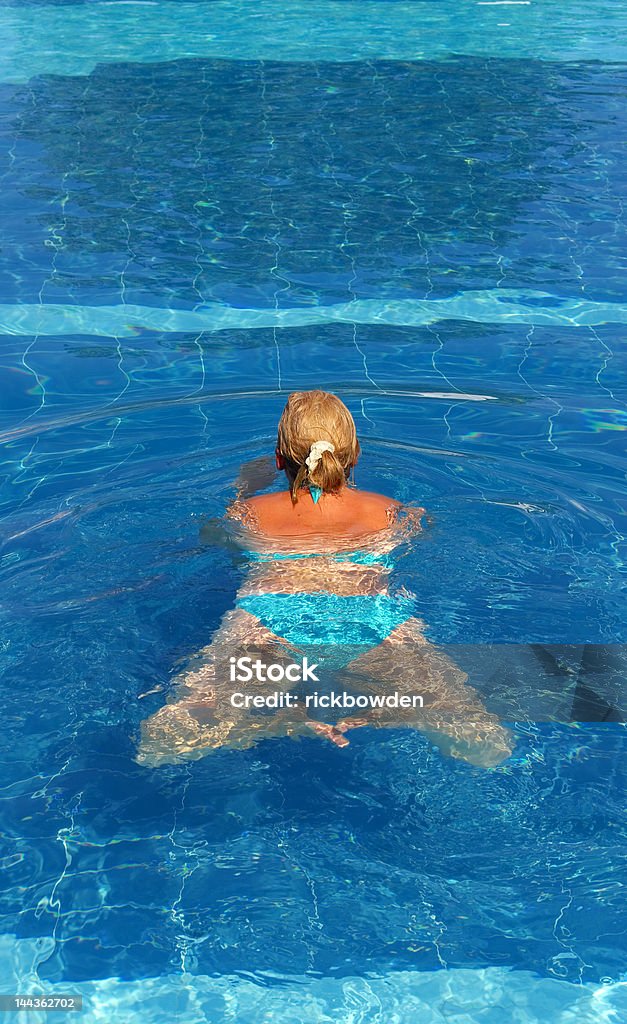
x: 315, y: 453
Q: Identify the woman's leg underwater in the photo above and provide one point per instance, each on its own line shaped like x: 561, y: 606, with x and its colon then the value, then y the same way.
x: 453, y: 716
x: 199, y: 715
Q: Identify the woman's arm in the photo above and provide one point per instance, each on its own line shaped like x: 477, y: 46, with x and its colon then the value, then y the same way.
x: 254, y: 476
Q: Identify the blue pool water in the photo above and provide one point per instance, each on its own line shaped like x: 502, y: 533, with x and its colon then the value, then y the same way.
x: 417, y: 205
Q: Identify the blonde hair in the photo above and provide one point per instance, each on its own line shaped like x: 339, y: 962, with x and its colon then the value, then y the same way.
x: 311, y: 416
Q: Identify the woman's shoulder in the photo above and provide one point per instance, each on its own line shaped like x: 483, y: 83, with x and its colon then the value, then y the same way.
x: 260, y: 506
x: 374, y: 510
x: 254, y: 511
x: 274, y: 500
x: 376, y: 500
x: 381, y: 511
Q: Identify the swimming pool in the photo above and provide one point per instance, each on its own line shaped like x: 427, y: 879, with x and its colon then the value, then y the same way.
x: 205, y: 206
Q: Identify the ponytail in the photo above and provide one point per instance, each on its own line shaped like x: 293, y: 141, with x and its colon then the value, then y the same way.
x: 321, y: 469
x: 329, y: 473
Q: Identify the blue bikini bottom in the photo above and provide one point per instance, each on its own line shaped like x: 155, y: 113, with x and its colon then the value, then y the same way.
x: 325, y: 619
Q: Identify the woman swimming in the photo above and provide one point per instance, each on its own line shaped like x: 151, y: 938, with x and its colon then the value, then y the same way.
x: 318, y: 593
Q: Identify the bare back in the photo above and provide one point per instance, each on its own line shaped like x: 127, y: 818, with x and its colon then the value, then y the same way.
x: 348, y: 513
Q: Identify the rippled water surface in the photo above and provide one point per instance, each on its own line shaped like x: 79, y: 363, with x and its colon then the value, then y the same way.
x: 205, y: 206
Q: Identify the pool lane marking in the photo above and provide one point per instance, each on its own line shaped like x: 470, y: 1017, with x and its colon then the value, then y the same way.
x: 72, y: 40
x: 496, y: 306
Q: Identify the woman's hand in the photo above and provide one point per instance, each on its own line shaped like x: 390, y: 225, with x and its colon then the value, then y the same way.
x: 335, y: 733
